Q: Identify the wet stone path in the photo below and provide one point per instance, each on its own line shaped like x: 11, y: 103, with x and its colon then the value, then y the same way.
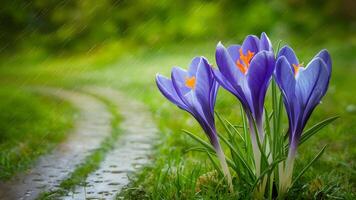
x: 92, y: 126
x: 130, y: 153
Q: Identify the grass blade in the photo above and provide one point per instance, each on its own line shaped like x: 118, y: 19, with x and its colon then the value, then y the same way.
x: 311, y: 131
x: 269, y: 169
x: 208, y: 147
x: 227, y: 128
x: 233, y: 127
x: 248, y: 145
x: 201, y: 141
x: 197, y: 149
x: 240, y: 158
x: 215, y: 164
x: 308, y: 165
x: 268, y: 129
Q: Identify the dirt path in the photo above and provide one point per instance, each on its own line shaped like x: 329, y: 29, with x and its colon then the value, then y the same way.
x: 130, y: 153
x: 92, y: 126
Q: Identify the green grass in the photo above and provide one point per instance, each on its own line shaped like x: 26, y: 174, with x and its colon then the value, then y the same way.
x: 92, y: 162
x: 30, y: 125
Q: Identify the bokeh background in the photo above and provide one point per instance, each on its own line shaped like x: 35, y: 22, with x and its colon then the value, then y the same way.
x: 124, y: 43
x: 81, y: 25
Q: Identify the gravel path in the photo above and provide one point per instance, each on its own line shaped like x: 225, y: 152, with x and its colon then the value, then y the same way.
x: 130, y: 153
x: 92, y: 126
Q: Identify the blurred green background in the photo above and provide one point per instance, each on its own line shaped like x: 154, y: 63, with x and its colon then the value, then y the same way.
x: 124, y: 43
x: 57, y: 25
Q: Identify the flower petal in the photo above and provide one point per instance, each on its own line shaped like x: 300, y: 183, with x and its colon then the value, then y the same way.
x: 308, y: 79
x: 227, y: 66
x: 204, y: 84
x: 236, y: 91
x: 166, y: 87
x: 213, y: 94
x: 286, y: 82
x: 223, y: 82
x: 312, y: 85
x: 234, y: 52
x: 289, y: 54
x: 265, y: 43
x: 258, y: 77
x: 197, y: 111
x: 285, y: 77
x: 325, y: 56
x: 251, y: 43
x: 178, y: 77
x: 194, y: 66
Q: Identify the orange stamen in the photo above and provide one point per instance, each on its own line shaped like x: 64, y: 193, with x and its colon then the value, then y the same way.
x: 296, y: 68
x: 190, y: 82
x: 243, y: 63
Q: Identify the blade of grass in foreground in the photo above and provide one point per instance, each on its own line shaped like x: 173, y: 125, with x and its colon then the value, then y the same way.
x: 209, y: 148
x: 311, y: 131
x: 308, y: 165
x: 205, y: 144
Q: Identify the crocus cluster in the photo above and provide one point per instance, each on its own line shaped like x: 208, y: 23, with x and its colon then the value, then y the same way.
x: 246, y: 71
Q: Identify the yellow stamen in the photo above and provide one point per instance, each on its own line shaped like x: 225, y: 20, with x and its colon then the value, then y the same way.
x: 190, y: 82
x: 296, y: 68
x: 243, y: 63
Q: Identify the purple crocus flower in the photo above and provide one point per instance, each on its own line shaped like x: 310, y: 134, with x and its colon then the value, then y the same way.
x: 302, y: 89
x: 245, y: 71
x: 195, y: 92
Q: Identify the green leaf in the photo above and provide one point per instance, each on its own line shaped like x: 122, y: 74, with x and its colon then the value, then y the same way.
x: 198, y: 149
x: 215, y: 164
x: 201, y: 141
x: 311, y: 131
x: 233, y: 127
x: 209, y: 148
x: 246, y: 136
x: 308, y: 165
x: 275, y: 117
x: 238, y: 126
x: 226, y: 128
x: 239, y: 156
x: 278, y: 47
x: 278, y: 136
x: 268, y: 170
x: 269, y: 117
x: 268, y: 129
x: 286, y: 136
